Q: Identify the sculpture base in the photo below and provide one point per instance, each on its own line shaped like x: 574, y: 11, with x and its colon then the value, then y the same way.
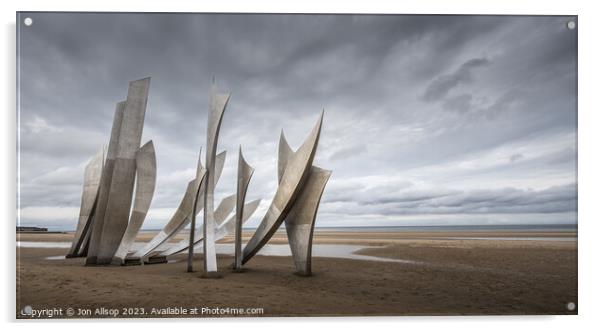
x: 156, y: 259
x: 117, y: 261
x: 91, y: 261
x: 71, y: 256
x: 211, y: 275
x: 303, y: 273
x: 103, y: 261
x: 131, y: 261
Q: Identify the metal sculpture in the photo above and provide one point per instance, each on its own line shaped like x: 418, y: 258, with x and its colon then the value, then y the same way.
x: 217, y: 106
x: 92, y: 175
x: 245, y: 172
x: 293, y: 177
x: 117, y: 184
x: 295, y: 202
x: 200, y: 179
x: 106, y: 229
x: 300, y: 221
x: 122, y: 183
x: 223, y: 210
x: 181, y: 218
x: 224, y: 228
x: 146, y: 175
x: 83, y: 250
x: 105, y: 183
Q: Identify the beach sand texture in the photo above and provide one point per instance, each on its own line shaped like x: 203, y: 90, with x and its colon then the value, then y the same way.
x: 452, y: 277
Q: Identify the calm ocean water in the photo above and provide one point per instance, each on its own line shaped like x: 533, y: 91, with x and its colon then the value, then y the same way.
x: 458, y: 228
x: 442, y: 228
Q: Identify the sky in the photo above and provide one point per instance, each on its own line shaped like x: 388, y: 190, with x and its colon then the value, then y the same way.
x: 429, y: 120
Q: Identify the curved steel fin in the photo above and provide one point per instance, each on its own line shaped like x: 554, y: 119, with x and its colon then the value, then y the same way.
x: 293, y: 179
x: 217, y: 107
x: 121, y: 191
x: 300, y: 221
x: 245, y: 172
x: 224, y: 229
x: 224, y: 208
x: 92, y: 177
x: 285, y: 152
x: 180, y: 219
x: 146, y: 177
x: 105, y: 185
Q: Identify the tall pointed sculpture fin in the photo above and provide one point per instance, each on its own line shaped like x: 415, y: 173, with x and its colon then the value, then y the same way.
x: 293, y: 179
x: 105, y: 185
x: 146, y: 177
x: 122, y: 182
x: 92, y: 177
x: 199, y: 180
x: 217, y: 107
x: 87, y: 233
x: 300, y: 221
x: 285, y: 152
x: 245, y: 172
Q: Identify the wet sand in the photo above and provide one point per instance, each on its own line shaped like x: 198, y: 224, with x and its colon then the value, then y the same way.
x: 452, y: 277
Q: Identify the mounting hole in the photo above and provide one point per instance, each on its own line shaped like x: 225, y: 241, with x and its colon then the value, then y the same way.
x: 571, y: 25
x: 28, y: 21
x: 570, y: 306
x: 27, y: 310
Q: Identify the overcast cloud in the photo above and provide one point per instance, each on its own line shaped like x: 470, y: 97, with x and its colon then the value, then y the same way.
x: 428, y: 119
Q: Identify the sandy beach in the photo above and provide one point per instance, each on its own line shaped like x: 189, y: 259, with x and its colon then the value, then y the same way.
x: 435, y: 275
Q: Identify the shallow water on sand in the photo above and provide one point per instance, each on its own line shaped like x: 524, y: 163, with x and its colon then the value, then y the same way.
x: 512, y: 238
x: 319, y: 250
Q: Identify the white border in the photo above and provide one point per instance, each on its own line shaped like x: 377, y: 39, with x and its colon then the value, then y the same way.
x: 589, y: 154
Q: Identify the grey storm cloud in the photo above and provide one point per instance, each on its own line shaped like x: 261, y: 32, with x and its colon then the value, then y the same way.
x: 555, y: 199
x: 516, y: 157
x: 441, y: 86
x: 423, y: 114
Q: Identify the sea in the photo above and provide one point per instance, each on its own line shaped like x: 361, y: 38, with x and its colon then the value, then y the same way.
x: 457, y: 228
x: 429, y: 228
x: 436, y: 228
